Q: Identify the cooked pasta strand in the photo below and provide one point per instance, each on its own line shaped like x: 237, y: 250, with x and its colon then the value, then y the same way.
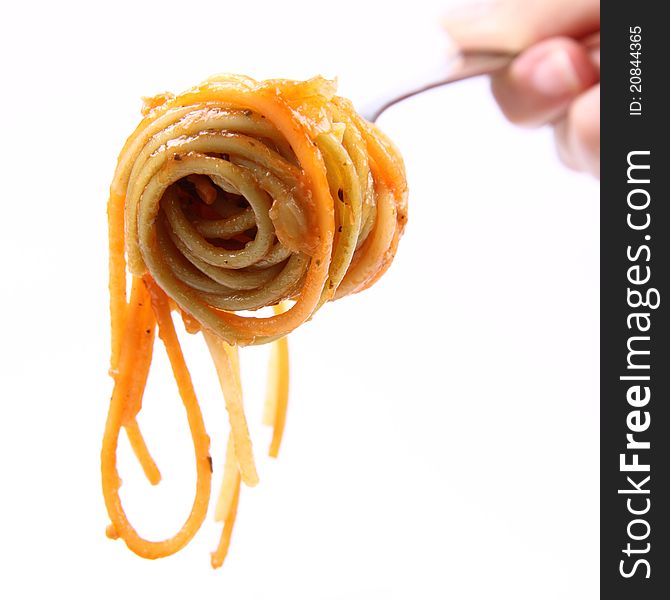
x: 276, y: 402
x: 230, y: 474
x: 227, y: 369
x: 142, y: 452
x: 146, y: 297
x: 219, y: 555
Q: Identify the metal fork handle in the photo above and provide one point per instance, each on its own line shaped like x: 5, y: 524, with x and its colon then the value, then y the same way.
x: 464, y: 65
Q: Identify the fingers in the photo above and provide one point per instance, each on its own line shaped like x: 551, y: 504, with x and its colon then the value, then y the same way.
x: 516, y: 24
x: 555, y: 78
x: 555, y: 82
x: 540, y: 84
x: 578, y: 134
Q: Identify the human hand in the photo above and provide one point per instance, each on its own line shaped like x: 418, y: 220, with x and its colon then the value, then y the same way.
x: 555, y: 80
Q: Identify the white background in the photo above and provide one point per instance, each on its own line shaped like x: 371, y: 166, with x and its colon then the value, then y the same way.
x: 442, y: 436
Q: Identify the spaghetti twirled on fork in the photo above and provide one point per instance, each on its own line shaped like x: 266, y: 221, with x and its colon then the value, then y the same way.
x: 234, y: 196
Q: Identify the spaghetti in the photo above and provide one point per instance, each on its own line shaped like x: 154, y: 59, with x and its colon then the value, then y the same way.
x: 234, y: 196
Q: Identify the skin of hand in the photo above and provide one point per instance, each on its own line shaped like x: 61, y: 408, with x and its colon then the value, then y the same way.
x: 555, y: 79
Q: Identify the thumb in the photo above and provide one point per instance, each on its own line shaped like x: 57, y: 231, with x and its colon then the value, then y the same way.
x: 513, y: 25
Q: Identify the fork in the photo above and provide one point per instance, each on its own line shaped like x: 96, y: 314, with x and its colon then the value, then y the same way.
x: 463, y: 65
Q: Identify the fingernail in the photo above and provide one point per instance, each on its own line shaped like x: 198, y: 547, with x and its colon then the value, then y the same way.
x: 555, y: 75
x: 465, y: 21
x: 465, y: 11
x: 484, y: 25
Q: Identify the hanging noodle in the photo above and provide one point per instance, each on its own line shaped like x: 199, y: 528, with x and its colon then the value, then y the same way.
x: 234, y: 196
